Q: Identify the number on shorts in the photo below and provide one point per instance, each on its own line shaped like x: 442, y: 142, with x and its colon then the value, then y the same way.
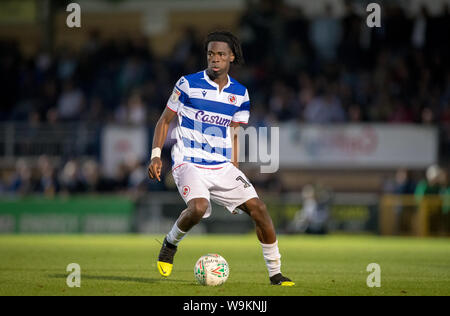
x: 246, y: 184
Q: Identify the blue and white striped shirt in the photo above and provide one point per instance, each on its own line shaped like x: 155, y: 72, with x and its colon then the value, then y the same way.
x: 204, y: 118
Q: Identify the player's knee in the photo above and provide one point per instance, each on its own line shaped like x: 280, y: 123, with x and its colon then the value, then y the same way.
x: 262, y: 209
x: 198, y: 207
x: 257, y: 208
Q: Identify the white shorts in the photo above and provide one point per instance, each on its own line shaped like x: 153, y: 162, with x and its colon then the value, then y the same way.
x: 227, y: 185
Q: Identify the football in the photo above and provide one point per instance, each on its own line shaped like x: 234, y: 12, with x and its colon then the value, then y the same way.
x: 211, y: 270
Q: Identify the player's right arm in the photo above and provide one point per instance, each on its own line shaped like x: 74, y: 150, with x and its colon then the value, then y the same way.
x: 176, y: 100
x: 161, y: 129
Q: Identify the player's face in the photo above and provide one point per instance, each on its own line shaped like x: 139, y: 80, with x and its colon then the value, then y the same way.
x: 219, y: 57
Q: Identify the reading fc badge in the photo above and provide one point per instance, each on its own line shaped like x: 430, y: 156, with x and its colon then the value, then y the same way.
x: 232, y: 98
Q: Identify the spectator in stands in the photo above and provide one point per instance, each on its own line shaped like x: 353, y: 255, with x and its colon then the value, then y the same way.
x: 97, y: 112
x: 294, y: 59
x: 70, y: 178
x: 402, y: 183
x: 133, y: 112
x: 433, y: 184
x: 137, y: 180
x: 419, y: 28
x: 121, y: 178
x: 326, y: 107
x: 92, y: 45
x: 131, y: 75
x: 137, y: 114
x: 93, y: 180
x: 47, y: 98
x: 21, y: 182
x: 306, y: 89
x: 325, y: 34
x: 283, y: 102
x: 47, y: 182
x: 437, y: 189
x: 67, y: 64
x: 355, y: 114
x: 71, y: 102
x: 427, y: 116
x: 401, y: 112
x: 313, y: 217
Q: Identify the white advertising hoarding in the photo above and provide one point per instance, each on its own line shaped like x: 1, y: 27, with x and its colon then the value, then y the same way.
x: 359, y: 145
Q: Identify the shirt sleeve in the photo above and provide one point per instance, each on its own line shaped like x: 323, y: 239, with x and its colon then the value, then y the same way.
x: 179, y: 95
x: 242, y: 115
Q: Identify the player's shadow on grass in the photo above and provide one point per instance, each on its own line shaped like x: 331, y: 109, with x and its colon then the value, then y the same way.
x: 116, y: 278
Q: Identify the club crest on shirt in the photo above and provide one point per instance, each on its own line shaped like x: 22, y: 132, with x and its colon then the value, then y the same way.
x: 175, y: 95
x: 232, y: 99
x: 186, y: 189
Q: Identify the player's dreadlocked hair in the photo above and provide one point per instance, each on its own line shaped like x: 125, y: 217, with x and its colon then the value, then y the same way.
x: 231, y: 40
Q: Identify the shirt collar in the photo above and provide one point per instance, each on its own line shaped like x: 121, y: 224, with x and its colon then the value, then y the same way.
x: 206, y: 77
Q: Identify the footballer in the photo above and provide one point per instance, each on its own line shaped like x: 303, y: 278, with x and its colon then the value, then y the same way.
x: 208, y: 105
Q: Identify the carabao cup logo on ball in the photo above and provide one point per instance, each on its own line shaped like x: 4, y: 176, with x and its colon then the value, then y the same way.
x: 211, y: 270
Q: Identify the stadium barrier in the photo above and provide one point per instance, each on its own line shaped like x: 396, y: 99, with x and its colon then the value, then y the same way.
x: 20, y: 140
x: 80, y: 214
x: 407, y: 215
x: 156, y: 212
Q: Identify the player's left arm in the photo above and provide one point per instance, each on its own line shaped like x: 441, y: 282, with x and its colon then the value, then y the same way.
x: 234, y: 144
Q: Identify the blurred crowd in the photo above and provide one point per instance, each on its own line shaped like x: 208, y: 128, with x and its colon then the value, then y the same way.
x: 336, y: 69
x: 80, y: 176
x: 435, y: 181
x: 322, y: 70
x: 330, y: 69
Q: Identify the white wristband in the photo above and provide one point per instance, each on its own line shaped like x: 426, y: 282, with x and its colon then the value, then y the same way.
x: 156, y: 152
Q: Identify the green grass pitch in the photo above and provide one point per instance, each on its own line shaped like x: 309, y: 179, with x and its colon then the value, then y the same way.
x: 126, y: 265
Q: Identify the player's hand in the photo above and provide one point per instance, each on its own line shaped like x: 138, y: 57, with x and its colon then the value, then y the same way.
x: 154, y: 169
